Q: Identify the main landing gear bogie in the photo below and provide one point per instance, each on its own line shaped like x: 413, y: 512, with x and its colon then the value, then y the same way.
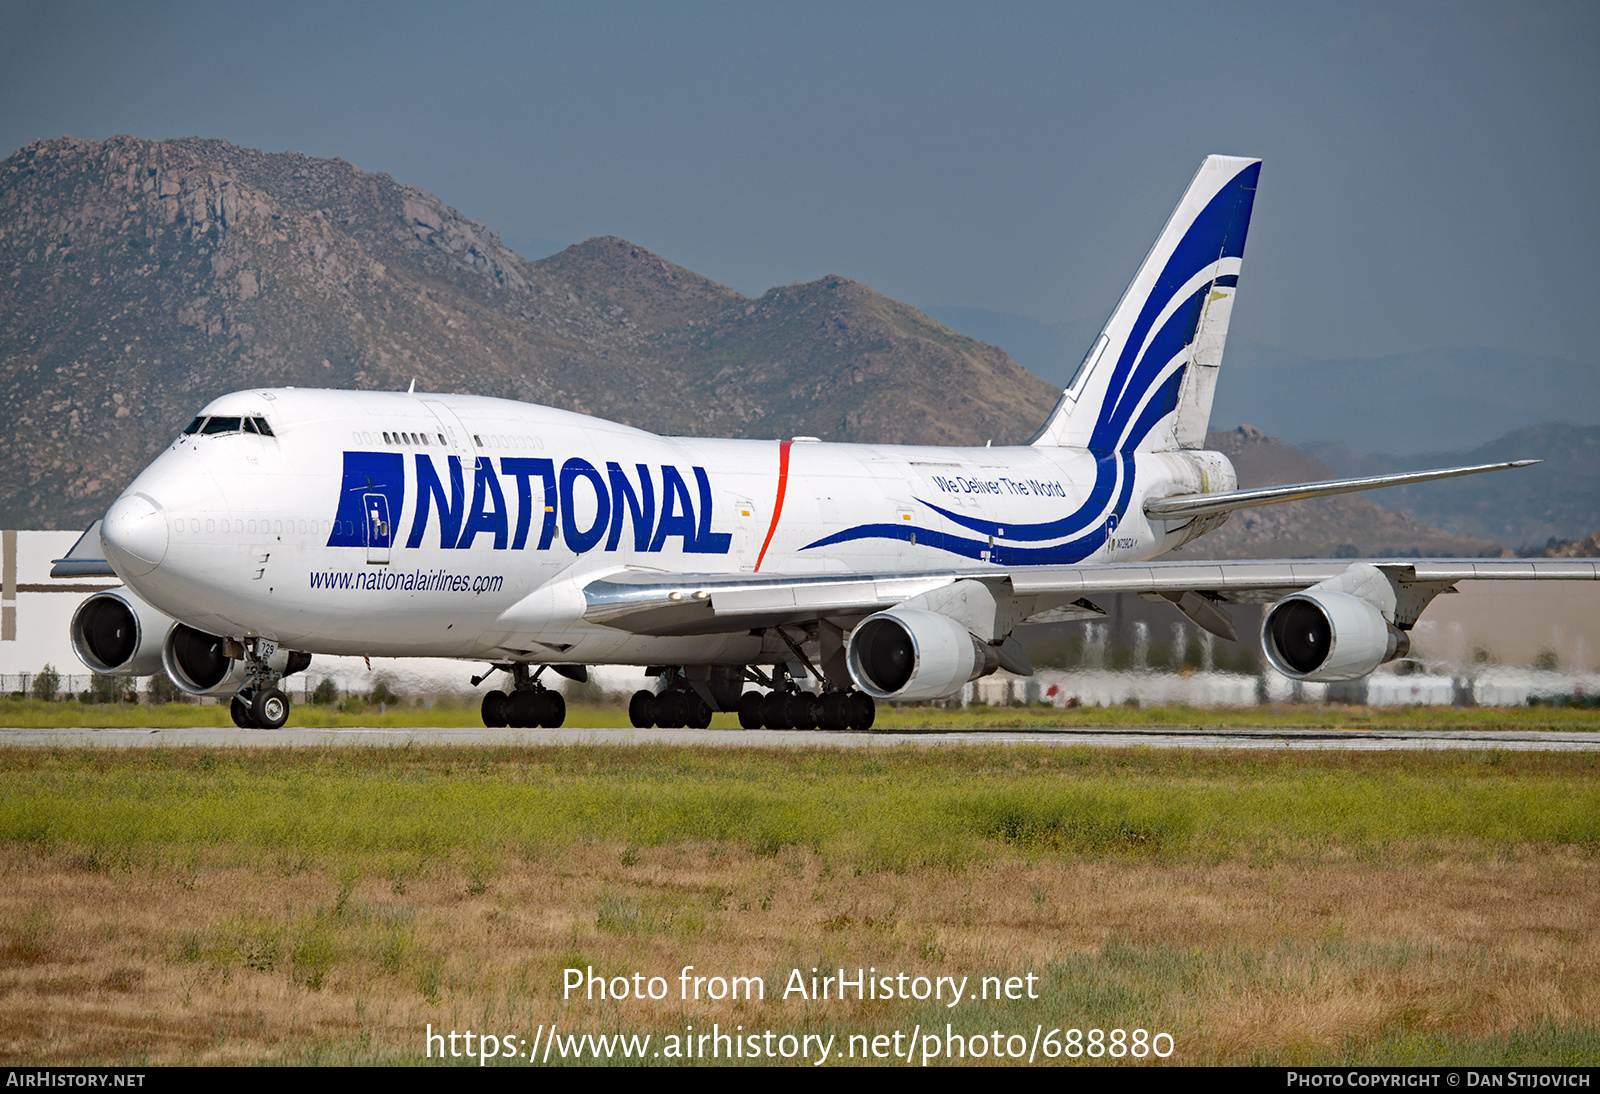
x: 832, y: 710
x: 678, y: 708
x: 525, y: 708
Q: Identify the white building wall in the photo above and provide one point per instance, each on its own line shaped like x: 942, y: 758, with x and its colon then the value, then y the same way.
x: 36, y: 608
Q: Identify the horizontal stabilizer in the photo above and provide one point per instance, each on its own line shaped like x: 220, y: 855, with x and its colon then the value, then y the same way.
x: 1205, y: 505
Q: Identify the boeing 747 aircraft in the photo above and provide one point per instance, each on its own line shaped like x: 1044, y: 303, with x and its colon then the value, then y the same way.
x: 287, y: 523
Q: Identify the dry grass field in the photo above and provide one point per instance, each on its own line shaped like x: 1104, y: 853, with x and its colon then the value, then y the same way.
x: 330, y: 905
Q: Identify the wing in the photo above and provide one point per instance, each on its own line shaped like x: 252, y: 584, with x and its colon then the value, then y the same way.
x: 651, y: 603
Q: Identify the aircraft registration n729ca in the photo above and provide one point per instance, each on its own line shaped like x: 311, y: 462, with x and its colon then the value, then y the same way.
x: 287, y: 523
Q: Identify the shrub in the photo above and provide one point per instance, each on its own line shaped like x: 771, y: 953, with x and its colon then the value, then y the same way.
x: 47, y: 685
x: 163, y: 690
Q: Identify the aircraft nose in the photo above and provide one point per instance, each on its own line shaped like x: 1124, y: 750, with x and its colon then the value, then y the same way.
x: 134, y: 535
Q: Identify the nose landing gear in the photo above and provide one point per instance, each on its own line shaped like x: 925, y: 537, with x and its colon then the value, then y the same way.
x: 259, y: 703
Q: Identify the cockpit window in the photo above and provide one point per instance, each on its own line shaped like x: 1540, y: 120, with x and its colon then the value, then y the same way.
x: 221, y: 425
x: 258, y: 425
x: 194, y: 426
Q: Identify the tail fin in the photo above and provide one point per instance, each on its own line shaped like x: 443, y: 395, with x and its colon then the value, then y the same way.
x: 1147, y: 382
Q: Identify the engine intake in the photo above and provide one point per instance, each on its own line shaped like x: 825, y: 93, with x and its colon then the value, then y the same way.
x: 910, y: 654
x: 199, y: 664
x: 116, y: 633
x: 1326, y: 635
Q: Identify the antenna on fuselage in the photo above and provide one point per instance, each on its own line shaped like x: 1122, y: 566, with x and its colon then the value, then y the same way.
x: 412, y: 390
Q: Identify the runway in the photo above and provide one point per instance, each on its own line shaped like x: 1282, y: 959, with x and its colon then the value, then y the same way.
x: 1355, y: 740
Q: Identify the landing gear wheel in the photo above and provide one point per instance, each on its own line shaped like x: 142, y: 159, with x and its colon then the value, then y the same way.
x: 864, y: 711
x: 699, y: 712
x: 552, y: 709
x: 522, y: 709
x: 773, y: 710
x: 642, y: 709
x: 270, y: 708
x: 672, y: 709
x: 494, y: 709
x: 792, y: 709
x: 240, y: 710
x: 750, y: 710
x: 835, y: 711
x: 808, y: 711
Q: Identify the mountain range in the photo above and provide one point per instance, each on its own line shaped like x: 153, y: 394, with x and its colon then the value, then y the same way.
x: 139, y: 279
x: 1437, y: 400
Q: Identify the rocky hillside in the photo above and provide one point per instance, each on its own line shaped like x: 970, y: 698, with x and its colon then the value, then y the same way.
x: 1587, y: 547
x: 1350, y: 525
x: 138, y: 279
x: 1560, y: 497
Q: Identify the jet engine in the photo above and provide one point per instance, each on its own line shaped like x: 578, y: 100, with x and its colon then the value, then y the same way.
x: 1325, y: 635
x: 116, y: 633
x: 910, y: 654
x: 199, y: 663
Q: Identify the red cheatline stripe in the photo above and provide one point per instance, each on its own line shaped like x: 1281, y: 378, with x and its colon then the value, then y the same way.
x: 777, y: 505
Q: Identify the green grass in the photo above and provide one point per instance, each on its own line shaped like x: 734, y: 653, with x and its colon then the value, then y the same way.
x: 358, y: 875
x: 886, y: 810
x: 453, y: 713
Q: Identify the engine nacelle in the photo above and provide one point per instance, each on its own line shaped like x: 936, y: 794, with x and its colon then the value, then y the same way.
x: 1324, y: 635
x: 115, y: 633
x: 909, y: 654
x: 199, y: 663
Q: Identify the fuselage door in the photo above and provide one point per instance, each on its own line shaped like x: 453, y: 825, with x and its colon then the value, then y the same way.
x: 747, y: 533
x: 380, y: 533
x: 455, y: 435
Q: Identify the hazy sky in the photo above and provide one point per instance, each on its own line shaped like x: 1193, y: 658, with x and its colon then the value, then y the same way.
x: 1432, y: 170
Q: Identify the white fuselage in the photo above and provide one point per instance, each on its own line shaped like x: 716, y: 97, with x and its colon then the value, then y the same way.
x: 407, y: 524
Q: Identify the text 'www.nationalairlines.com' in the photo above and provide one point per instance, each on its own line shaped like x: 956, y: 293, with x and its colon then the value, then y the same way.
x: 552, y: 1044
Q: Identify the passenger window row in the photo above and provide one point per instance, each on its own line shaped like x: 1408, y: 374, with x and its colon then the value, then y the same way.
x: 501, y: 441
x: 410, y: 438
x: 240, y: 526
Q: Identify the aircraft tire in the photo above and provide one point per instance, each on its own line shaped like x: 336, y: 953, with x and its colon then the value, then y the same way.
x: 239, y: 709
x: 807, y: 711
x: 642, y: 709
x: 552, y: 709
x: 775, y: 712
x: 494, y: 710
x: 672, y: 709
x: 835, y: 711
x: 269, y: 709
x: 750, y: 710
x: 522, y: 710
x: 864, y: 711
x: 699, y: 712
